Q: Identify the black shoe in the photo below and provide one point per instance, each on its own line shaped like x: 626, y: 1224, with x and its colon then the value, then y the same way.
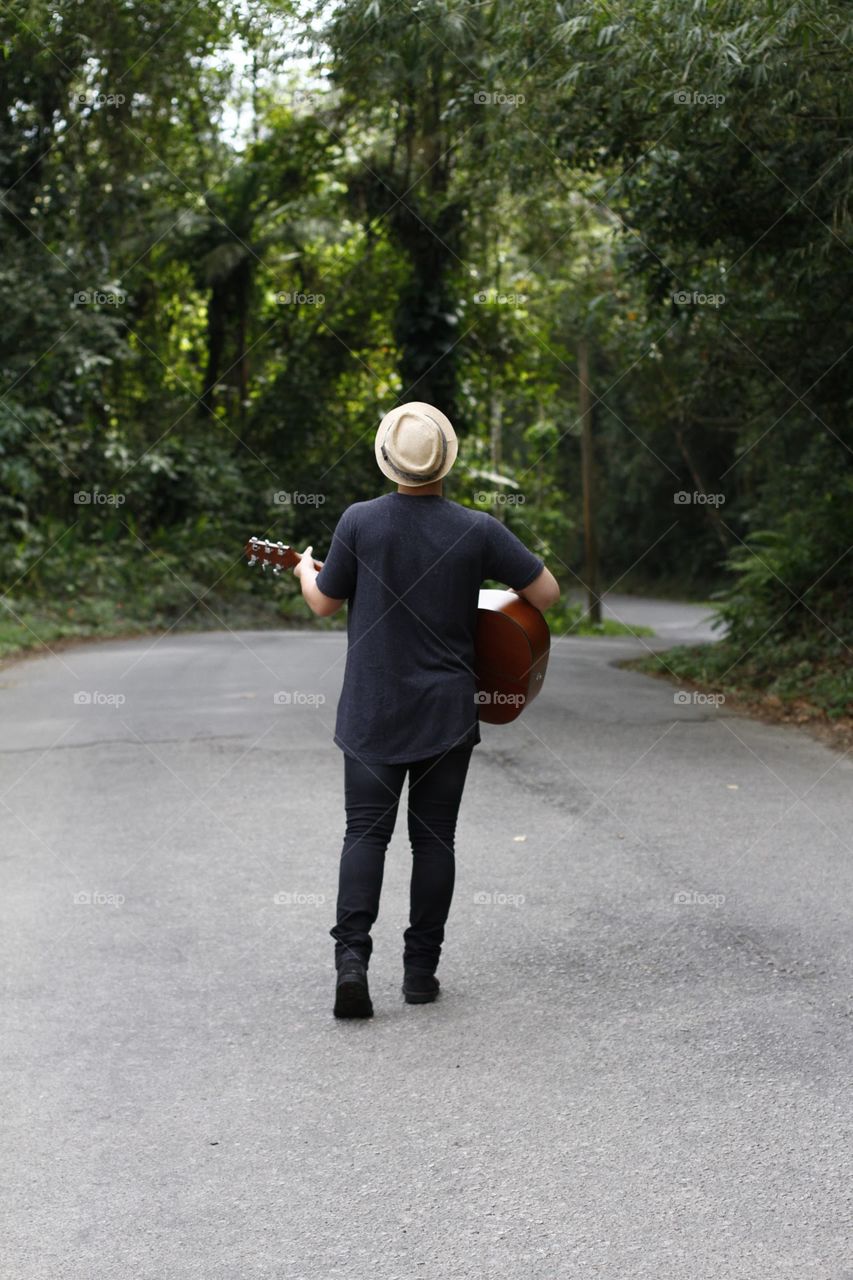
x: 352, y: 996
x: 420, y: 988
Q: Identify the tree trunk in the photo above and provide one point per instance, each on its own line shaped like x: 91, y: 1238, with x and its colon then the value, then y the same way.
x: 216, y: 312
x: 496, y: 441
x: 244, y: 294
x: 710, y: 509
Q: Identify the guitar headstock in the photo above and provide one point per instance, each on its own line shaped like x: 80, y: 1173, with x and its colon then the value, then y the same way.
x: 263, y: 552
x: 278, y: 554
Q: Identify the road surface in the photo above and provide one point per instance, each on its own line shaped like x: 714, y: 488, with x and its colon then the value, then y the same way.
x: 639, y: 1066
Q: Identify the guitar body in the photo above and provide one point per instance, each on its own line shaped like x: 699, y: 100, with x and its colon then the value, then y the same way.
x: 512, y: 644
x: 512, y: 649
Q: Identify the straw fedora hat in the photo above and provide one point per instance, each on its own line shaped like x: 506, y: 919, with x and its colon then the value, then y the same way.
x: 415, y: 444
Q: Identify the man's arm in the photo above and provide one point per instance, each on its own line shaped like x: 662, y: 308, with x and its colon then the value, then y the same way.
x: 542, y: 592
x: 306, y: 572
x: 507, y: 559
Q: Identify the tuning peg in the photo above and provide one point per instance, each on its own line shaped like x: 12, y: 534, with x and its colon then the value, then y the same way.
x: 276, y: 569
x: 252, y: 560
x: 264, y: 566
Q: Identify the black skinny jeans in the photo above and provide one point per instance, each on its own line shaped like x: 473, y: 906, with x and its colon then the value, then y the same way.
x: 372, y: 794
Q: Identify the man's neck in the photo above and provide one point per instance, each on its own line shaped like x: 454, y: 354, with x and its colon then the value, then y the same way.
x: 421, y: 490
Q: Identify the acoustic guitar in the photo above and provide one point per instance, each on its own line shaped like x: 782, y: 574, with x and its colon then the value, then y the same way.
x: 511, y: 655
x: 511, y: 647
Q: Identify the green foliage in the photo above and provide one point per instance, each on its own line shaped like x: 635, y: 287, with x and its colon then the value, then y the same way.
x: 792, y: 583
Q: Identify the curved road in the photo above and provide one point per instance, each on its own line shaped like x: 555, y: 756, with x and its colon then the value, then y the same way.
x: 640, y: 1064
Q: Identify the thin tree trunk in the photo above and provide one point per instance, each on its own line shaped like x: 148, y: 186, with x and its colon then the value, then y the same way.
x: 496, y: 441
x: 244, y: 293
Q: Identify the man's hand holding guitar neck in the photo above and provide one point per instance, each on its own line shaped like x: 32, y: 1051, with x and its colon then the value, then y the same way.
x: 306, y: 570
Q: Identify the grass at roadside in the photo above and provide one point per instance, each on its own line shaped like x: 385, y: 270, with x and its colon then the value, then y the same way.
x: 27, y: 628
x: 33, y: 629
x: 569, y: 618
x: 794, y: 683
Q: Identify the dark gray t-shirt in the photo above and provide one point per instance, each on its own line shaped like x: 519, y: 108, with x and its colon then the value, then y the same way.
x: 410, y: 568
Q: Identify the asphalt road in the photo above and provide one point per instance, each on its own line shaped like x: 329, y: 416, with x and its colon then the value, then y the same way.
x: 640, y: 1064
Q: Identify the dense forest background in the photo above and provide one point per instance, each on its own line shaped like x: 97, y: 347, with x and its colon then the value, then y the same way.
x: 234, y: 235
